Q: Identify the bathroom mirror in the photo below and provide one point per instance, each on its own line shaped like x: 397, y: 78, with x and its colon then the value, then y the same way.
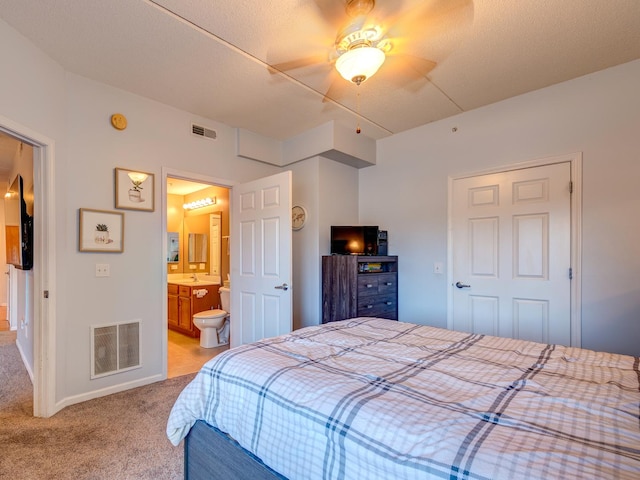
x: 173, y: 247
x: 197, y: 251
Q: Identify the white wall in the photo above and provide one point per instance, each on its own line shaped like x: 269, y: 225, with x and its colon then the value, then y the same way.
x: 329, y: 192
x: 598, y: 115
x: 74, y: 112
x: 339, y: 199
x: 157, y: 136
x: 305, y: 243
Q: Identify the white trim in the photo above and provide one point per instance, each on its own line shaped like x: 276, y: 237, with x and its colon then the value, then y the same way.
x: 575, y: 161
x: 183, y: 175
x: 108, y: 391
x: 44, y: 259
x: 25, y: 361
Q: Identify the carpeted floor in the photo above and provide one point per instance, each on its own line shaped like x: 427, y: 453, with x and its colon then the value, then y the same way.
x: 121, y: 436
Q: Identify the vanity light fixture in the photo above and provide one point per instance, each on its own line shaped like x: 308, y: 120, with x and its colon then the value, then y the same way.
x: 203, y: 202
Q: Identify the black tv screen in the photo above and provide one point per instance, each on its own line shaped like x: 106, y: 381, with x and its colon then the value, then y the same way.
x: 354, y: 240
x: 19, y: 226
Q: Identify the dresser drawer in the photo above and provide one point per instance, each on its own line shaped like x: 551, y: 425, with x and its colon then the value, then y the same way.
x: 172, y: 289
x: 387, y: 283
x: 367, y: 285
x: 375, y: 284
x: 184, y: 291
x: 378, y: 306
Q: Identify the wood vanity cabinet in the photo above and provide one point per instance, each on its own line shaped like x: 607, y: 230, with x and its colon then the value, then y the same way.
x: 183, y: 303
x: 359, y: 286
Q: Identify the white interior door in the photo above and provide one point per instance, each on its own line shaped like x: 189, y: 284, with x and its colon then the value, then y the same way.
x: 261, y: 259
x: 511, y: 241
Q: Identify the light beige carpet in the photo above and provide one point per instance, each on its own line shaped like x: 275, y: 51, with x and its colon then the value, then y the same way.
x: 121, y: 436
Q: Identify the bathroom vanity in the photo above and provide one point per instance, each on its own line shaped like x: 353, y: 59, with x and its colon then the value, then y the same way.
x: 187, y: 298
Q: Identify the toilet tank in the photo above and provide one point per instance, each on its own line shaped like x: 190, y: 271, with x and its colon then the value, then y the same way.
x: 225, y: 299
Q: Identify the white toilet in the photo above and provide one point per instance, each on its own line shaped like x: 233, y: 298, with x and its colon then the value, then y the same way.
x: 214, y: 324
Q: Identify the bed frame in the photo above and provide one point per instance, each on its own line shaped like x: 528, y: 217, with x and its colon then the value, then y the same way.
x: 210, y: 454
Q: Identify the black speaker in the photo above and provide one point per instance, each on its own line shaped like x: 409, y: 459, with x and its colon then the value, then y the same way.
x: 382, y: 243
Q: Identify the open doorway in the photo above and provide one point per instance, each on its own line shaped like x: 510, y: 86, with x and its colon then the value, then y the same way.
x: 16, y: 179
x: 40, y: 361
x: 198, y: 265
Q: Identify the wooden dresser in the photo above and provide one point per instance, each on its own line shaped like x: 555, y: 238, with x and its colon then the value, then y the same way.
x: 359, y: 286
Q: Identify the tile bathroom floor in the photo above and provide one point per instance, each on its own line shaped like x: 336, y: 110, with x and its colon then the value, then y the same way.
x: 186, y: 355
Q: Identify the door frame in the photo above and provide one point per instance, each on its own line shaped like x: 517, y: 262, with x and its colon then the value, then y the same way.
x: 44, y: 266
x: 194, y: 177
x: 575, y: 161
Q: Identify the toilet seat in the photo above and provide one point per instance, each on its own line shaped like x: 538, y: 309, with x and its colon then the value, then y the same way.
x: 217, y: 313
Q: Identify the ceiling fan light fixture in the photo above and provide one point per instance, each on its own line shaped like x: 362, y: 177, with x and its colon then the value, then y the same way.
x: 359, y: 64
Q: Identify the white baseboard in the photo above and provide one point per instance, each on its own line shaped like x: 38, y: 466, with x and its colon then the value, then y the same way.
x: 24, y: 361
x: 65, y: 402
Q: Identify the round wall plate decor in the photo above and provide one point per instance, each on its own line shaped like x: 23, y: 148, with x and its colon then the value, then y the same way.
x: 298, y: 217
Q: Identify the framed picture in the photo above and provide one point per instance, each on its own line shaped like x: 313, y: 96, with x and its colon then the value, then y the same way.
x: 134, y: 190
x: 101, y: 231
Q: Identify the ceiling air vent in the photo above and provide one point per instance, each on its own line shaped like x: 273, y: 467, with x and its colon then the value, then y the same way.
x: 203, y: 131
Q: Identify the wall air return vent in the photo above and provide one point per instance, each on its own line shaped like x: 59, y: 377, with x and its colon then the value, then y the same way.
x: 201, y: 131
x: 115, y: 348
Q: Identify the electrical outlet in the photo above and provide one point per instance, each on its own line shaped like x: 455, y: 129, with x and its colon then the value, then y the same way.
x: 102, y: 269
x: 192, y: 267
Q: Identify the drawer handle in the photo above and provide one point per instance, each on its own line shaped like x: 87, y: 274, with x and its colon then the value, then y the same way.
x: 369, y: 306
x: 369, y: 285
x: 389, y: 283
x: 389, y: 303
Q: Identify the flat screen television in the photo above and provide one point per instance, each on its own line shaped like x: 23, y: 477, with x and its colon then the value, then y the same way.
x: 18, y: 209
x: 354, y: 240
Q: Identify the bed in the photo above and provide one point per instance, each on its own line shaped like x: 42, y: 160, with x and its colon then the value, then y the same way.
x: 379, y: 399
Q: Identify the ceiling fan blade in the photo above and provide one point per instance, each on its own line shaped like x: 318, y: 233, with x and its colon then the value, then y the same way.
x: 413, y: 65
x: 425, y: 20
x: 332, y: 11
x: 338, y: 88
x: 299, y: 63
x: 336, y: 12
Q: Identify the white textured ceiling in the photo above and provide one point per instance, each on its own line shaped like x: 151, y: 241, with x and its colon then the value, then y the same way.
x: 211, y: 57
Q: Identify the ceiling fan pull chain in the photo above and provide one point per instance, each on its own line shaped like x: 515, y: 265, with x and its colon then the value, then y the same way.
x: 358, y: 110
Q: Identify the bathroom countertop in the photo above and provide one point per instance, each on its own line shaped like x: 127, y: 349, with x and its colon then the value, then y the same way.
x: 193, y: 283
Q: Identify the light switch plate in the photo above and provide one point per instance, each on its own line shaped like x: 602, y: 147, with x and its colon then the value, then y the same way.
x: 102, y: 269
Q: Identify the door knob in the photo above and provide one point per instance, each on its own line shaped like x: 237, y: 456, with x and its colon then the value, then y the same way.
x: 462, y: 285
x: 284, y: 287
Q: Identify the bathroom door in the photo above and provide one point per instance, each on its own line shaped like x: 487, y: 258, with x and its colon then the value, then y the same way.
x: 261, y: 259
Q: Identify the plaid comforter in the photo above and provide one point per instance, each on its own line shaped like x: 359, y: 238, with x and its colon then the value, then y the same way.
x: 377, y: 399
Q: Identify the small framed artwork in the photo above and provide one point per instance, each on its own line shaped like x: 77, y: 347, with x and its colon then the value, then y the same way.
x: 134, y: 190
x: 100, y: 231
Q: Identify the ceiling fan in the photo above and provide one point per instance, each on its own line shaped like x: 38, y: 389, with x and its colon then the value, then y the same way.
x: 371, y: 35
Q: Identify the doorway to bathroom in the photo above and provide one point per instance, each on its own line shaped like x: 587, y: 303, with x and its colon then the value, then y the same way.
x: 198, y: 264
